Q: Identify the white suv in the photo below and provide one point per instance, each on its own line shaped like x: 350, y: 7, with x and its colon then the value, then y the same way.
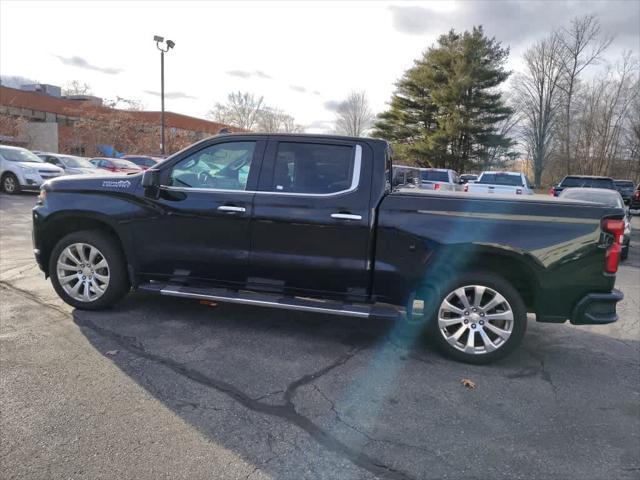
x: 21, y: 169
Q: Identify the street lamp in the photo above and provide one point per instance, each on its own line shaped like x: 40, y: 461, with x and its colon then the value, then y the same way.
x: 168, y: 45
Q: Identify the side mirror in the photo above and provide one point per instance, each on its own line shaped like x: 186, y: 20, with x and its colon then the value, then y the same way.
x: 150, y: 179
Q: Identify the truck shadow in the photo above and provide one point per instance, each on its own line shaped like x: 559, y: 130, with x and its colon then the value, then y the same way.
x: 317, y: 391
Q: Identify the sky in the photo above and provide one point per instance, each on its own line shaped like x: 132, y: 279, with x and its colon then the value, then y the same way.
x: 302, y: 57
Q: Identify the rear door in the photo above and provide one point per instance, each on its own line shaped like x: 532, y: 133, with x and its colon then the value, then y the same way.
x: 312, y: 224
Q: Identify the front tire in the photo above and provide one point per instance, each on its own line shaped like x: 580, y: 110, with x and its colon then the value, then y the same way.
x: 88, y: 271
x: 10, y: 184
x: 479, y: 319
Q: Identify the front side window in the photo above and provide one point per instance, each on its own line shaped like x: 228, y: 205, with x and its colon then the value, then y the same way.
x: 223, y: 166
x: 313, y: 168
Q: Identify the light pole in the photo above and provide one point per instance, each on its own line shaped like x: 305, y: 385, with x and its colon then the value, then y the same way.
x: 169, y: 44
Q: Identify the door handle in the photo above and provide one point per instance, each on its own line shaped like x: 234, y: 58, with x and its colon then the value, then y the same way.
x: 231, y: 208
x: 346, y: 216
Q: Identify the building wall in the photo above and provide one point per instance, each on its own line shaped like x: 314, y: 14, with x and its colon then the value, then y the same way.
x: 42, y: 136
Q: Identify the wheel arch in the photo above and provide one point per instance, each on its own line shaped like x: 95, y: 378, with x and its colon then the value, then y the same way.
x: 61, y: 225
x: 513, y: 266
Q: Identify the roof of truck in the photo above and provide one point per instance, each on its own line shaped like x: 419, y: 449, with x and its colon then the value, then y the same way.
x: 305, y: 135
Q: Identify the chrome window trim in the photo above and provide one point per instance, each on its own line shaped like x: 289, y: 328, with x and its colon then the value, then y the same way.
x: 355, y: 182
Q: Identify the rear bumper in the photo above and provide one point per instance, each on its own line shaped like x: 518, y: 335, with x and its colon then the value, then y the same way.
x: 597, y: 308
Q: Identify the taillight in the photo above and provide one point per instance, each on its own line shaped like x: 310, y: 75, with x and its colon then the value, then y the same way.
x: 518, y: 191
x: 466, y: 187
x: 637, y: 195
x: 552, y: 192
x: 612, y: 258
x: 436, y: 186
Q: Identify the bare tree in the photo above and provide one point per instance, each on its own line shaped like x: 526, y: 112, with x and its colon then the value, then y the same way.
x: 583, y: 45
x: 603, y: 140
x: 272, y: 120
x: 76, y: 87
x: 538, y: 98
x: 242, y: 110
x: 354, y: 116
x: 122, y: 103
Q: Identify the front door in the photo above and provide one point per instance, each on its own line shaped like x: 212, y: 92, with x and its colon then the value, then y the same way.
x: 200, y: 228
x: 311, y: 223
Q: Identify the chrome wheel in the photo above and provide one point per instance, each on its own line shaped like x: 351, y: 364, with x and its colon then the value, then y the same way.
x: 83, y: 272
x: 475, y: 319
x: 9, y: 184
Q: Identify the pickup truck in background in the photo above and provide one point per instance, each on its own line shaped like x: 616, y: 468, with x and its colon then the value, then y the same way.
x: 625, y: 188
x: 508, y: 183
x: 313, y: 223
x: 583, y: 181
x: 442, y: 179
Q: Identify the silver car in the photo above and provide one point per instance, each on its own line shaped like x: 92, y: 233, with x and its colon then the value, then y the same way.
x: 608, y: 197
x: 71, y: 164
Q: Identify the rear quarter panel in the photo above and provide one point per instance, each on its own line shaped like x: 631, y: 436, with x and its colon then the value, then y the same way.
x: 555, y: 244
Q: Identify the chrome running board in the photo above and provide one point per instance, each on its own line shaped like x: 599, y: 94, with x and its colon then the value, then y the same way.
x: 273, y: 300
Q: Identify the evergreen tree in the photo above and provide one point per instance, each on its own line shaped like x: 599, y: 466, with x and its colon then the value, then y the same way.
x: 446, y: 110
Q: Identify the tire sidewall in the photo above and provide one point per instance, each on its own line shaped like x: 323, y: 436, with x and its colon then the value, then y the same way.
x: 16, y: 188
x: 505, y: 289
x: 118, y: 281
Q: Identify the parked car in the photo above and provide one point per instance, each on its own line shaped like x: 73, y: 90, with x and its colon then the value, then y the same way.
x: 21, y: 169
x: 507, y: 183
x: 405, y: 176
x: 635, y: 200
x: 626, y: 188
x: 582, y: 181
x: 143, y: 161
x: 609, y: 198
x: 468, y: 178
x: 71, y: 164
x: 116, y: 165
x: 312, y: 223
x: 439, y: 179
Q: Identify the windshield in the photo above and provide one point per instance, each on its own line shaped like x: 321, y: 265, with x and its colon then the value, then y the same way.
x: 587, y: 182
x: 71, y: 161
x: 19, y: 155
x: 612, y: 199
x: 434, y: 176
x: 501, y: 179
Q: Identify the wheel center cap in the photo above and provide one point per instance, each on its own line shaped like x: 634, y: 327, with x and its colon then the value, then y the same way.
x: 474, y: 317
x: 86, y: 271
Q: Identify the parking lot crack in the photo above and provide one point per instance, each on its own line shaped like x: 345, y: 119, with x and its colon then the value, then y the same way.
x: 31, y: 296
x: 285, y: 412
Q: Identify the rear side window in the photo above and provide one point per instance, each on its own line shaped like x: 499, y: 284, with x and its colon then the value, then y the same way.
x: 623, y: 184
x: 586, y: 182
x: 501, y: 179
x: 313, y: 168
x: 434, y: 176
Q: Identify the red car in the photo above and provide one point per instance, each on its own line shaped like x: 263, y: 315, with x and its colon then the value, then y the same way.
x: 143, y: 161
x: 116, y: 165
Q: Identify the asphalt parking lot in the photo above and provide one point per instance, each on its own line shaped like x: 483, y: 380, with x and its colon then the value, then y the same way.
x: 167, y: 388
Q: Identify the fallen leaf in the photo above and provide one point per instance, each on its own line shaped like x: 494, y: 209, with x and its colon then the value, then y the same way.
x: 468, y: 383
x: 111, y: 352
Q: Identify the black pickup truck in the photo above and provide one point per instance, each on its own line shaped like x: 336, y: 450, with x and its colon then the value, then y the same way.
x: 314, y: 223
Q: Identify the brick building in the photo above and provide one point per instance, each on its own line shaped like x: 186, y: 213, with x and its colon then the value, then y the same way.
x: 40, y: 119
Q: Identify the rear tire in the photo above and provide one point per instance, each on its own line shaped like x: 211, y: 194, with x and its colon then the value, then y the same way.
x: 484, y: 328
x: 10, y: 184
x: 88, y: 270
